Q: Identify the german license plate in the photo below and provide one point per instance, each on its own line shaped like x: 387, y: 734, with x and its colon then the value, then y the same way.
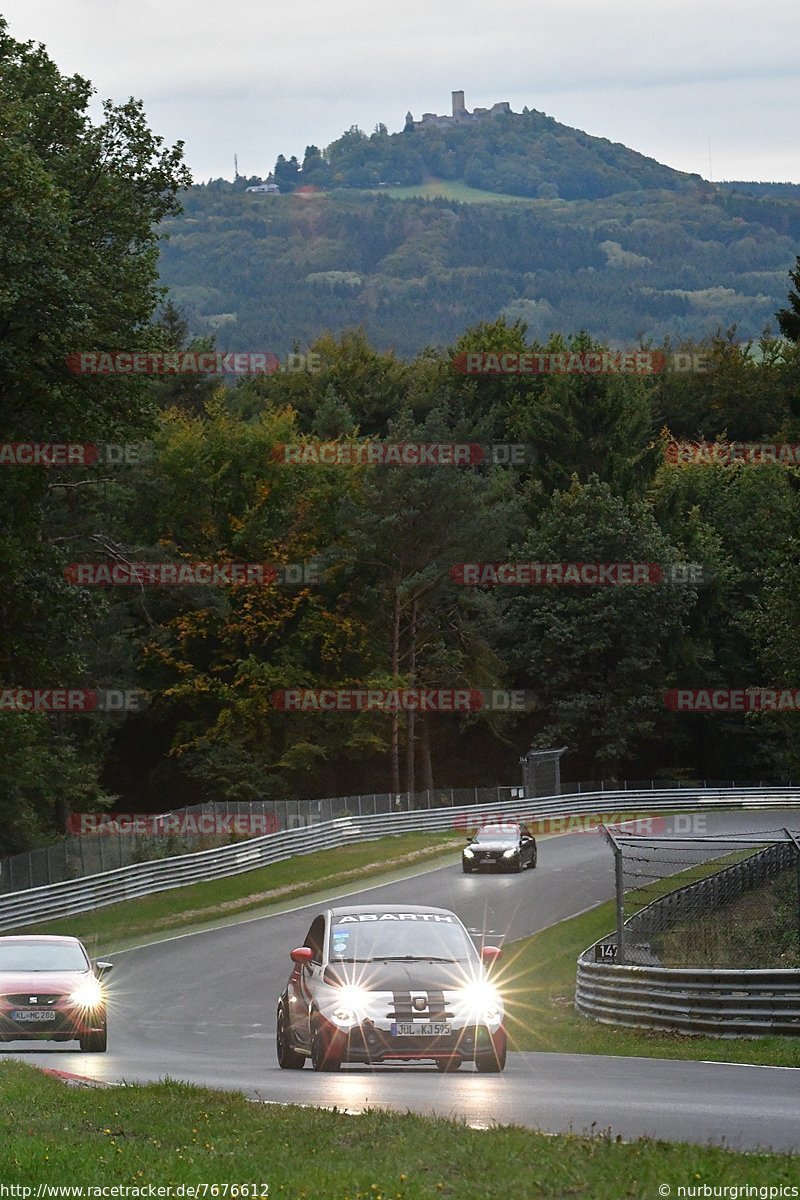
x: 421, y: 1029
x: 35, y: 1015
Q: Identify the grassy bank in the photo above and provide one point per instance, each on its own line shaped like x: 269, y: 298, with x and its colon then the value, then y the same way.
x: 451, y: 189
x: 171, y: 1134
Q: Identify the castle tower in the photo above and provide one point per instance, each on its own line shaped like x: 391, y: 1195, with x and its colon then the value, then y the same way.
x: 409, y: 125
x: 459, y: 110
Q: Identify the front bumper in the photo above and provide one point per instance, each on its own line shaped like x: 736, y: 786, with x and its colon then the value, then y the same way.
x: 368, y: 1043
x: 67, y: 1024
x: 491, y: 862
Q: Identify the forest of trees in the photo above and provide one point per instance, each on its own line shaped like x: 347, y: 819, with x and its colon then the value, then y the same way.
x: 278, y: 270
x: 520, y: 154
x: 79, y: 262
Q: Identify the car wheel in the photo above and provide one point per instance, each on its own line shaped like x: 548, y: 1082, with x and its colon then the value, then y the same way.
x: 495, y: 1058
x: 517, y: 866
x: 321, y: 1057
x: 467, y: 870
x: 95, y: 1043
x: 448, y: 1064
x: 533, y: 860
x: 288, y: 1058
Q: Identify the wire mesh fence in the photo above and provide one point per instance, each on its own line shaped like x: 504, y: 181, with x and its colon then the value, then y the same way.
x: 112, y: 840
x: 679, y: 900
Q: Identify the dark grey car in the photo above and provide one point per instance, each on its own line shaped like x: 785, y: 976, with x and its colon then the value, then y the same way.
x: 506, y: 847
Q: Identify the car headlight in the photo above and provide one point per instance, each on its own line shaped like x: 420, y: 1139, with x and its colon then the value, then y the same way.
x: 468, y: 853
x: 482, y: 1001
x: 510, y: 853
x: 88, y: 994
x: 350, y: 1004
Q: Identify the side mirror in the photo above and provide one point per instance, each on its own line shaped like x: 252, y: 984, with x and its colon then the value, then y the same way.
x: 102, y: 967
x: 490, y: 954
x: 303, y: 954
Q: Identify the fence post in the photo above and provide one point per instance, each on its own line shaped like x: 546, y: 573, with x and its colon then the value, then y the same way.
x: 797, y: 854
x: 620, y: 894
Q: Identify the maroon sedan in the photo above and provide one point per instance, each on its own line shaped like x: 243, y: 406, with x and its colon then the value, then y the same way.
x: 49, y: 991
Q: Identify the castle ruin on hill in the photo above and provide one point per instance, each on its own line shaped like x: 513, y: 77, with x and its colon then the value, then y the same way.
x: 460, y: 115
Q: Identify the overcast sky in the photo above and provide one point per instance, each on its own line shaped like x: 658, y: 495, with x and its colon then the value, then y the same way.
x: 711, y: 86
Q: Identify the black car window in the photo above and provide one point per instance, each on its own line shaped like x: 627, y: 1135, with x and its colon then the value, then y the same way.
x: 315, y: 938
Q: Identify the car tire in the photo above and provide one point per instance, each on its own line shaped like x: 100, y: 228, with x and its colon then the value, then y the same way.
x: 532, y: 863
x: 288, y: 1059
x: 467, y: 870
x: 95, y: 1042
x: 448, y: 1064
x: 321, y: 1057
x: 517, y: 866
x: 493, y: 1060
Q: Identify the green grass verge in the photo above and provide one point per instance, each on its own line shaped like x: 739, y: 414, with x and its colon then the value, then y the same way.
x: 170, y: 1133
x: 538, y: 978
x: 452, y: 189
x: 219, y: 900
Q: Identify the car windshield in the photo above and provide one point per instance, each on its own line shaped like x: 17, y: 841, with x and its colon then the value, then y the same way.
x: 364, y: 937
x: 498, y: 833
x: 42, y: 956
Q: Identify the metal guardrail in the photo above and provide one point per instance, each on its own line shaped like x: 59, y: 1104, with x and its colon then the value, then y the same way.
x: 144, y: 879
x: 721, y: 1001
x: 190, y: 829
x: 732, y: 1003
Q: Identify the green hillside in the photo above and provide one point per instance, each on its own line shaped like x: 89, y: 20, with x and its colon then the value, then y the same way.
x: 279, y: 270
x: 521, y: 154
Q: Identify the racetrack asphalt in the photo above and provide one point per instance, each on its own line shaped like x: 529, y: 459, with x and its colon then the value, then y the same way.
x: 200, y: 1007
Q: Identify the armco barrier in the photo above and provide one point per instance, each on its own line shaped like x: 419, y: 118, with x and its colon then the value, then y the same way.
x: 143, y: 879
x: 719, y: 1002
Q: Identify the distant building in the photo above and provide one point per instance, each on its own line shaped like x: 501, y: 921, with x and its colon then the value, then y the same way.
x: 460, y: 115
x: 263, y: 187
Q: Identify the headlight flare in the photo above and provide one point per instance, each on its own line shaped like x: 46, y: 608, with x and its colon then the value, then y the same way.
x: 89, y: 994
x: 482, y: 999
x: 351, y: 1001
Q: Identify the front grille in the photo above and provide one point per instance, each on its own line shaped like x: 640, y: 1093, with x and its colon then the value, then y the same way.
x: 403, y: 1007
x: 34, y: 999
